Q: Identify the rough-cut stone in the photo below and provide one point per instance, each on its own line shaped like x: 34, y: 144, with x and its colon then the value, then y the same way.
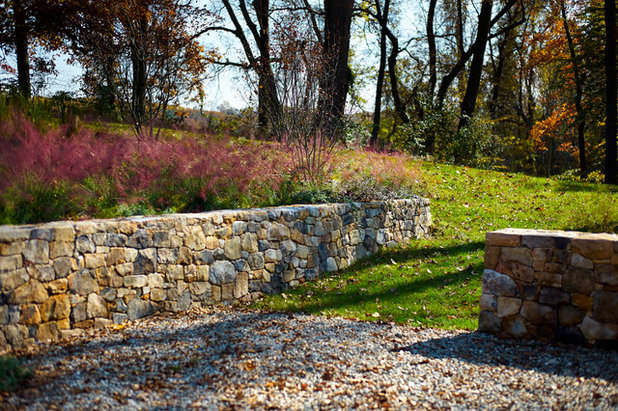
x: 553, y: 296
x: 277, y: 232
x: 145, y: 262
x: 502, y: 238
x: 135, y: 281
x: 488, y: 322
x: 232, y: 248
x: 488, y: 302
x: 56, y: 307
x: 30, y: 314
x: 570, y: 315
x: 97, y: 307
x: 82, y: 283
x: 138, y: 308
x: 545, y: 240
x: 605, y: 306
x: 58, y: 286
x: 249, y: 242
x: 593, y: 246
x: 222, y: 272
x: 516, y: 254
x: 84, y: 244
x: 331, y: 264
x: 508, y: 306
x: 30, y: 292
x: 36, y: 251
x: 491, y: 257
x: 606, y: 273
x: 241, y: 285
x: 10, y: 263
x: 499, y: 284
x: 47, y: 332
x: 595, y: 330
x: 579, y: 261
x: 63, y: 266
x: 538, y: 313
x: 199, y: 288
x: 577, y: 280
x: 515, y: 326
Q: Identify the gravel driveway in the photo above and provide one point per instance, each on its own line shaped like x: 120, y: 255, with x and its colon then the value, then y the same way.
x: 238, y: 359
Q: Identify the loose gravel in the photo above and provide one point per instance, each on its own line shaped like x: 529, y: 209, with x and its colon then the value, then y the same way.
x: 240, y: 359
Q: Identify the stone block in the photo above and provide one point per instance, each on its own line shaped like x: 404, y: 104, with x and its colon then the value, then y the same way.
x: 508, y: 306
x: 595, y: 331
x: 15, y: 247
x: 276, y: 232
x: 498, y: 284
x: 577, y: 280
x: 605, y: 306
x: 273, y: 256
x: 249, y: 242
x: 140, y: 239
x: 489, y: 322
x: 548, y: 279
x: 184, y: 301
x: 64, y: 266
x: 10, y: 263
x: 516, y: 254
x: 57, y: 286
x: 515, y: 327
x: 222, y: 272
x: 593, y: 246
x: 553, y: 296
x: 56, y: 307
x: 488, y: 302
x: 232, y: 248
x: 570, y: 315
x: 94, y: 260
x: 553, y: 240
x: 115, y: 240
x: 158, y: 294
x: 61, y: 249
x: 538, y: 313
x: 606, y: 274
x: 227, y: 292
x: 97, y: 306
x: 185, y: 256
x: 579, y: 261
x: 116, y: 255
x: 83, y: 283
x: 491, y: 257
x: 145, y: 262
x: 84, y: 244
x: 29, y: 314
x: 102, y: 322
x: 47, y: 332
x: 135, y: 281
x: 30, y: 292
x: 582, y: 301
x: 241, y: 285
x: 138, y: 308
x: 36, y: 251
x: 502, y: 238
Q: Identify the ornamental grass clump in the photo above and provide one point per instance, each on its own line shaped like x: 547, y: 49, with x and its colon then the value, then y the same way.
x: 65, y: 173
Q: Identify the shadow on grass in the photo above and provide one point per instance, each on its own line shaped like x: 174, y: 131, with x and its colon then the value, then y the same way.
x: 351, y: 295
x: 484, y: 349
x: 574, y: 186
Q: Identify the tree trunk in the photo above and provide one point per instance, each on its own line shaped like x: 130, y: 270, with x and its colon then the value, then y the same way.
x: 336, y: 75
x: 581, y: 114
x: 431, y: 43
x: 468, y: 105
x: 382, y: 68
x: 269, y: 106
x: 611, y: 168
x: 21, y: 49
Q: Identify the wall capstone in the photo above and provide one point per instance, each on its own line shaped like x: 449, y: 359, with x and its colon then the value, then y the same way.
x: 554, y: 285
x: 59, y: 279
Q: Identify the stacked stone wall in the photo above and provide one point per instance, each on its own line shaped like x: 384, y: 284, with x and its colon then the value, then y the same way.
x: 552, y: 285
x: 59, y: 279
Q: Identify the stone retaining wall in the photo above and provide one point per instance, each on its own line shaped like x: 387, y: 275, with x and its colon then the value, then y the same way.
x: 550, y: 285
x: 57, y: 279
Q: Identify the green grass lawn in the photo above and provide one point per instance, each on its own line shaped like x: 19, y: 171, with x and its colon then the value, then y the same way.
x: 437, y: 282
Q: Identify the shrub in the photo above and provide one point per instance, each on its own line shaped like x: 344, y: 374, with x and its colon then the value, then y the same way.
x: 12, y: 373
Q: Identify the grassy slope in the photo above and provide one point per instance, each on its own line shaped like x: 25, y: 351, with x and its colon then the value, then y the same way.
x: 437, y: 282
